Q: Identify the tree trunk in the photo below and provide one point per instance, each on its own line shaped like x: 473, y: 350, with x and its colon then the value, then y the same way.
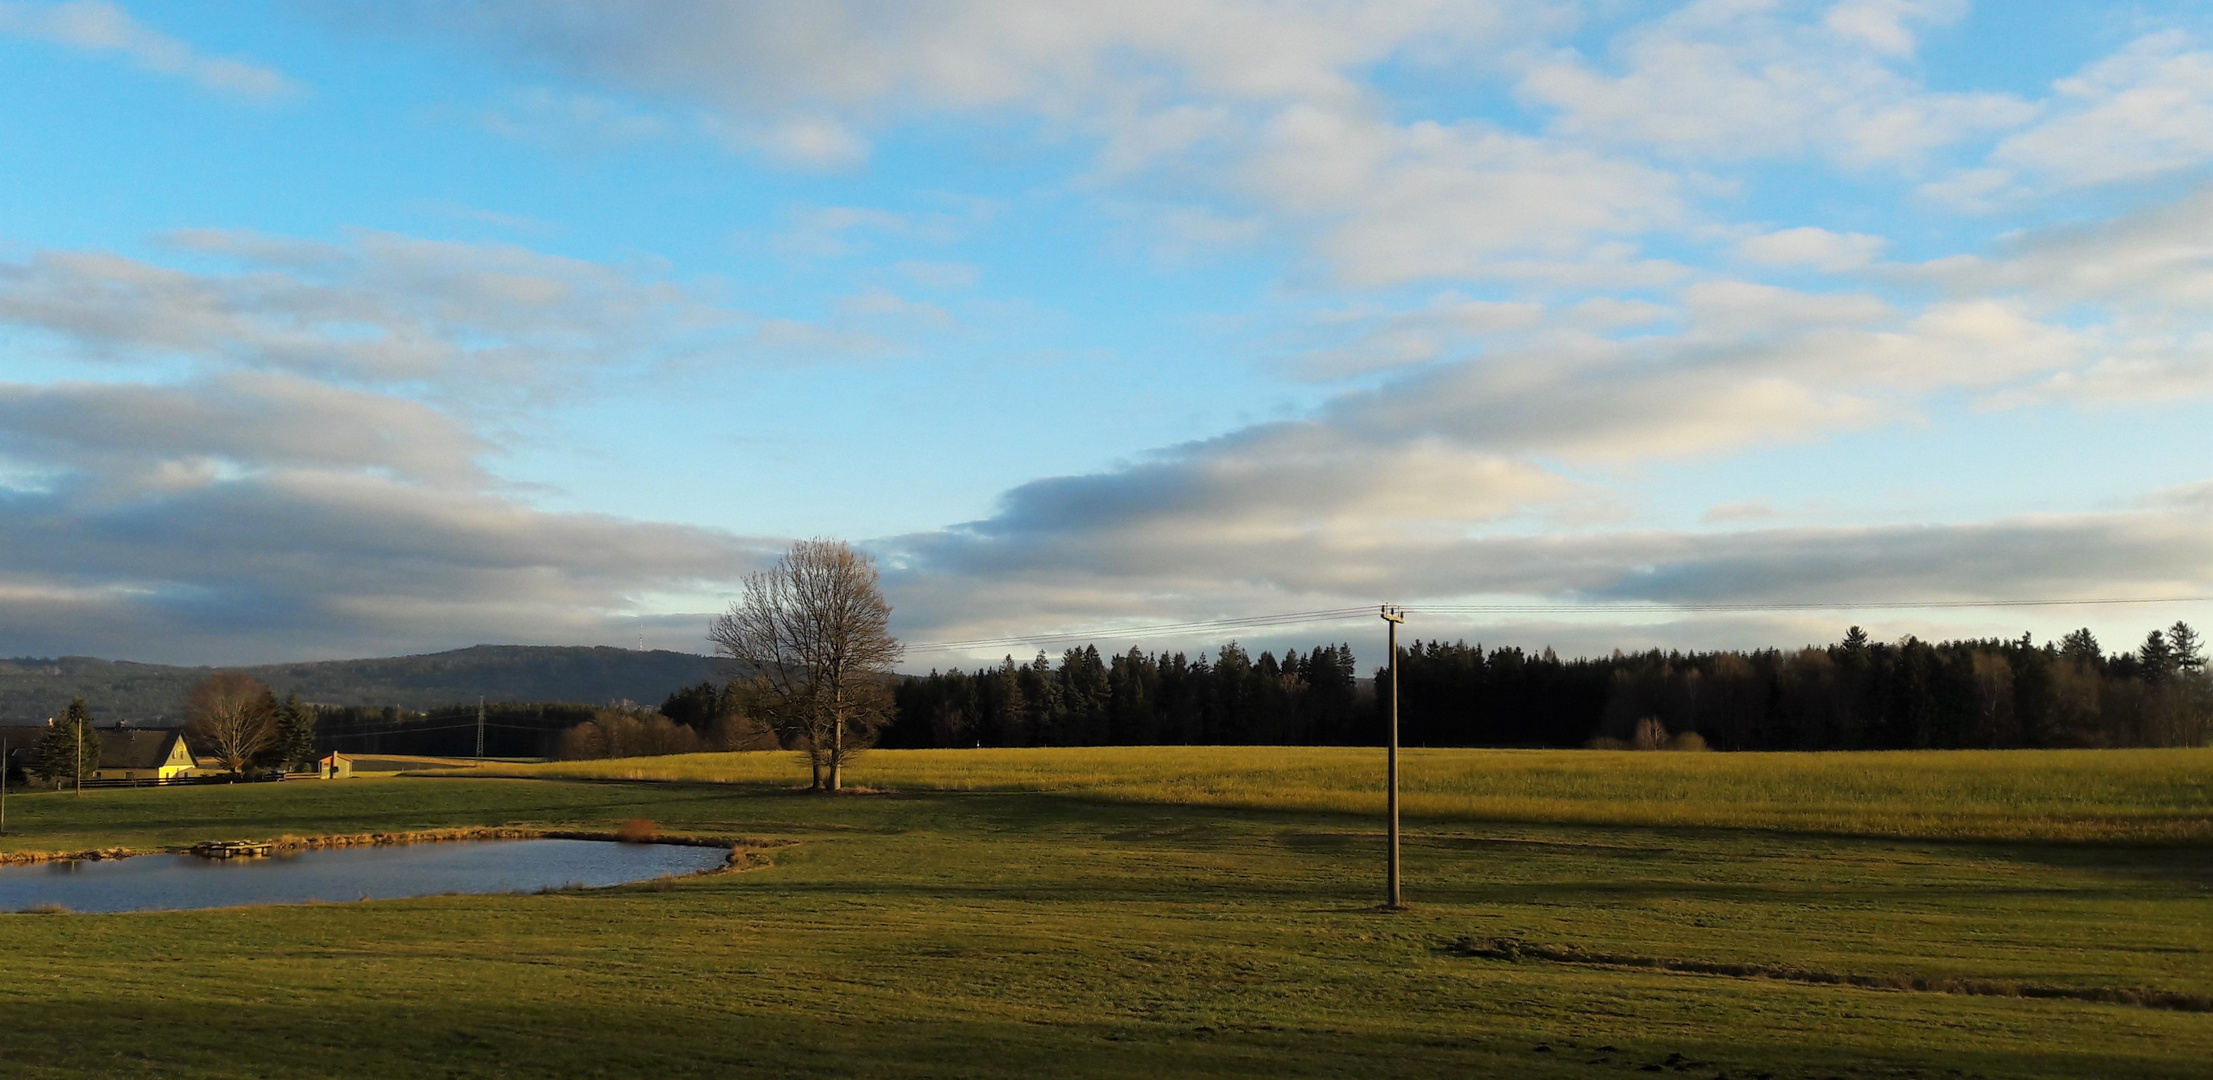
x: 837, y: 739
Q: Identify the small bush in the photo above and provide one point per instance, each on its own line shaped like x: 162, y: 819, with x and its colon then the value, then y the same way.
x: 1688, y: 740
x: 636, y: 831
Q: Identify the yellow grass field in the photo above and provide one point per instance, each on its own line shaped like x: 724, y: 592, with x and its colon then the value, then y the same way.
x: 2143, y: 796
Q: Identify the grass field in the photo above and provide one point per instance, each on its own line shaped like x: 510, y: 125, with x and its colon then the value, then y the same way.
x: 1115, y: 913
x: 2113, y: 795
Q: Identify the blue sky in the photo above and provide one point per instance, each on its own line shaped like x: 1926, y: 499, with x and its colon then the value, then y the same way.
x: 336, y: 329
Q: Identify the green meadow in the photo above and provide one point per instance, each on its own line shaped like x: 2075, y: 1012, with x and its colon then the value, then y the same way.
x: 1186, y: 912
x: 2089, y: 795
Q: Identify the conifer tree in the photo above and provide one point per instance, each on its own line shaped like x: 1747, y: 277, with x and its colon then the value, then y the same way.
x: 2187, y: 648
x: 295, y: 738
x: 2081, y: 647
x: 70, y: 748
x: 2157, y: 657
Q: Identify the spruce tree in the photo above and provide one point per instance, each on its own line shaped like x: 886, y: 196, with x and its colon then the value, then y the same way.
x: 2188, y: 650
x: 70, y: 748
x: 2157, y: 656
x: 295, y: 741
x: 2081, y: 647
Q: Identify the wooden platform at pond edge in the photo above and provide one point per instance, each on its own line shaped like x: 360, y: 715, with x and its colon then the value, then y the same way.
x: 230, y: 849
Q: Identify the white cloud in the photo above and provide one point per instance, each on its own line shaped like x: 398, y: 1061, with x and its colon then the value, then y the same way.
x: 816, y: 142
x: 1811, y: 247
x: 2146, y: 110
x: 1450, y: 323
x: 99, y: 26
x: 804, y: 81
x: 1722, y: 80
x: 1394, y: 203
x: 493, y: 320
x: 1261, y: 102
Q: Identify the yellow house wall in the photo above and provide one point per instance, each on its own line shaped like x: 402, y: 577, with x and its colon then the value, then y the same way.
x: 179, y: 764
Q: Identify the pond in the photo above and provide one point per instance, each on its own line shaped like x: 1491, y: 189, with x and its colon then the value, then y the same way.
x: 182, y: 882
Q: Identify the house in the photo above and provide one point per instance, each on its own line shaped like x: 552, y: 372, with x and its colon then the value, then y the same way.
x: 21, y: 742
x: 144, y: 754
x: 334, y: 766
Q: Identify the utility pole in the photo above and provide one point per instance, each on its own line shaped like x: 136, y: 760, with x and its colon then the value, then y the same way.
x: 79, y: 741
x: 1392, y: 900
x: 480, y: 728
x: 3, y: 787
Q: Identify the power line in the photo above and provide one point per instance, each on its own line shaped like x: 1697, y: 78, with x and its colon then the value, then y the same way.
x: 1292, y: 618
x: 1860, y: 605
x: 1288, y: 618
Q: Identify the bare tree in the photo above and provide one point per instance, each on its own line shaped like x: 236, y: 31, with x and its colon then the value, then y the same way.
x: 235, y: 714
x: 813, y: 633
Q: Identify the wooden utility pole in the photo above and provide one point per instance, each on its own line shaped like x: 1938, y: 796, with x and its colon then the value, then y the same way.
x: 1392, y: 899
x: 480, y: 728
x: 3, y: 787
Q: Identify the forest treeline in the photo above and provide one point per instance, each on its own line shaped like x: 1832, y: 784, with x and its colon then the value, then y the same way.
x: 1855, y: 694
x: 1137, y: 697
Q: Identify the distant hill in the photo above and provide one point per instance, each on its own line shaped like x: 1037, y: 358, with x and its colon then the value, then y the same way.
x: 33, y: 689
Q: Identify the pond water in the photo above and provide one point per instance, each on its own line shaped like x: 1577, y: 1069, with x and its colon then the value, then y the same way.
x: 180, y: 882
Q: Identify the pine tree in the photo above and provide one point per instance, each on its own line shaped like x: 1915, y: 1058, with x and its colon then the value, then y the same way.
x: 2188, y: 649
x: 70, y: 748
x: 2081, y: 647
x: 295, y: 741
x: 2157, y: 657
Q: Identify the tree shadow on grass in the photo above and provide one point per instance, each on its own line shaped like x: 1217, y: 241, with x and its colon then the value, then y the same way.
x: 367, y: 1034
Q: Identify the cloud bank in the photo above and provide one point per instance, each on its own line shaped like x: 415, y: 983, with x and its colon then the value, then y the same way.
x: 1515, y: 315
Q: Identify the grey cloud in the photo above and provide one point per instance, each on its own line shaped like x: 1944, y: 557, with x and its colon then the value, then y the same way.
x: 1087, y: 577
x: 315, y: 564
x: 381, y: 309
x: 259, y: 516
x: 127, y: 433
x: 2155, y: 260
x: 754, y: 58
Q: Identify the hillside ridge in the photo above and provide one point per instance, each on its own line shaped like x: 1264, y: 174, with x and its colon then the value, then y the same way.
x: 34, y: 688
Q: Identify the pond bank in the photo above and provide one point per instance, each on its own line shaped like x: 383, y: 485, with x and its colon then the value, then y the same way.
x: 745, y: 852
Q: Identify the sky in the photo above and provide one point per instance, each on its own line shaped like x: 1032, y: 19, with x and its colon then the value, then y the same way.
x: 335, y: 329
